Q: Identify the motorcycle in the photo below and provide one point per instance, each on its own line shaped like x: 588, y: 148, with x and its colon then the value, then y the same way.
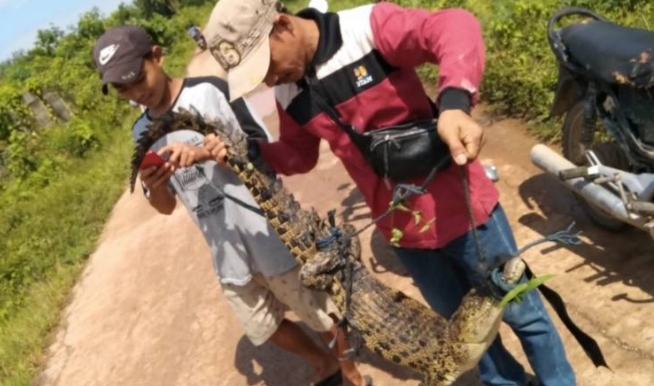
x: 605, y: 88
x: 195, y: 33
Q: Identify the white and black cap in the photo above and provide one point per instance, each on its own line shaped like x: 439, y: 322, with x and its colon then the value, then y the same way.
x: 119, y: 53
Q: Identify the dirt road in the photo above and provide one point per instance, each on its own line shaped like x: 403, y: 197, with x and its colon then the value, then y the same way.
x: 148, y: 310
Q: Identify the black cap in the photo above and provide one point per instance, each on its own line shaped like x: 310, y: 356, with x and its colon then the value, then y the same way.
x: 118, y: 54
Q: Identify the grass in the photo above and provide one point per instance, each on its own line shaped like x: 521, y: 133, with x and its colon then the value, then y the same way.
x: 78, y: 205
x: 58, y: 227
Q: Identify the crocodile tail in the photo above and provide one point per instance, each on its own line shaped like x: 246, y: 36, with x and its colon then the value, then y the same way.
x: 137, y: 157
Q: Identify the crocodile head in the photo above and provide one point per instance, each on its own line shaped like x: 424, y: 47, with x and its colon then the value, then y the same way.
x: 319, y: 273
x: 475, y: 324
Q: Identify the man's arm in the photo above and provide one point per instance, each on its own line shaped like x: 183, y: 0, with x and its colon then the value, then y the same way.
x: 155, y: 188
x: 155, y: 180
x: 162, y: 200
x: 450, y: 38
x: 248, y: 119
x: 297, y: 150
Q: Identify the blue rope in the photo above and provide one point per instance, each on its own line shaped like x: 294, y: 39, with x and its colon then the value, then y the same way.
x: 325, y: 243
x: 402, y: 192
x: 566, y: 237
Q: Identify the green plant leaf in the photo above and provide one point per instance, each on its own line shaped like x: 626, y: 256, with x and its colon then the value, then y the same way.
x: 523, y: 288
x: 400, y: 206
x: 396, y: 235
x: 427, y: 225
x: 417, y: 216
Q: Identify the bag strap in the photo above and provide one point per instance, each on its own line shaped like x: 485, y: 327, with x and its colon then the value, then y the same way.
x: 311, y: 83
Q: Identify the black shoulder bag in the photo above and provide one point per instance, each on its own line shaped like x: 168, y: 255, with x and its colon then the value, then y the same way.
x: 400, y: 152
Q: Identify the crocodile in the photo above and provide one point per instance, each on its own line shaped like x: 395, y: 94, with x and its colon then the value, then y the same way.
x: 386, y: 321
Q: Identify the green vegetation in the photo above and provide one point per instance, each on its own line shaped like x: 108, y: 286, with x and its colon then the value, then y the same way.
x: 520, y: 68
x: 58, y: 184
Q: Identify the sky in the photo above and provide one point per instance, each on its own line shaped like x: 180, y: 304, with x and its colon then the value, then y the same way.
x: 20, y: 19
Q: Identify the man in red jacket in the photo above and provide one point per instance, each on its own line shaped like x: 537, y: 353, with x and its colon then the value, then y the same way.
x: 364, y: 59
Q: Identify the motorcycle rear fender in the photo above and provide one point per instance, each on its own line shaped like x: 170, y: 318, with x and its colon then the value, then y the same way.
x: 570, y: 88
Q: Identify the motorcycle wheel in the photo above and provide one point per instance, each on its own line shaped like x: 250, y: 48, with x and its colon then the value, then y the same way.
x: 608, y: 153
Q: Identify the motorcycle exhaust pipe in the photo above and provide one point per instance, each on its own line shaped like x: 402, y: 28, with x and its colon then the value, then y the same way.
x: 552, y: 162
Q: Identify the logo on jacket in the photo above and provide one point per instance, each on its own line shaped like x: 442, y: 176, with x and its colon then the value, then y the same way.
x: 362, y: 76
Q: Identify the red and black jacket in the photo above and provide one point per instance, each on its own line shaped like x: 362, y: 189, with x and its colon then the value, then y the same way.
x: 365, y: 64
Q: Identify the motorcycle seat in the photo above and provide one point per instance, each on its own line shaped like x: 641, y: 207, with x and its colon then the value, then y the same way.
x: 613, y: 53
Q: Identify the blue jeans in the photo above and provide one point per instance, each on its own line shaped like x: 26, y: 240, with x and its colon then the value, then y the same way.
x: 445, y: 275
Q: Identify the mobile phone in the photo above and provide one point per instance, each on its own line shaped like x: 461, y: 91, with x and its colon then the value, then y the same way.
x: 152, y: 159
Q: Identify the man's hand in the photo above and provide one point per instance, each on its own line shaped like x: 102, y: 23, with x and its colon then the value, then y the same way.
x: 155, y: 180
x: 156, y: 177
x: 462, y: 135
x: 183, y: 155
x: 216, y: 147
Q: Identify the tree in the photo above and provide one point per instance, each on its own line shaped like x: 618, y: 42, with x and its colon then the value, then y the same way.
x: 165, y: 8
x: 194, y: 3
x: 15, y: 68
x: 124, y: 14
x: 91, y: 25
x: 48, y: 39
